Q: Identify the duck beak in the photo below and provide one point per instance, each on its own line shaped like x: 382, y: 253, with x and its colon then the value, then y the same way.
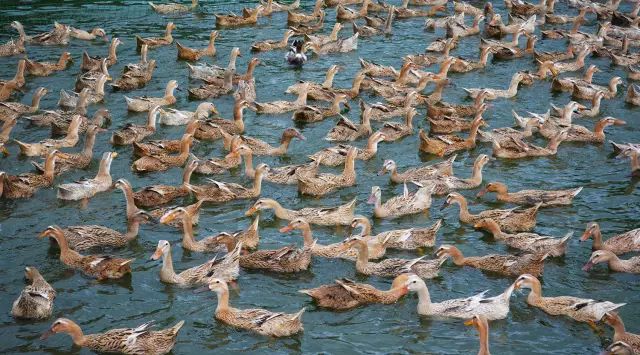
x: 588, y: 266
x: 481, y: 193
x: 585, y: 236
x: 372, y: 199
x: 619, y: 122
x: 444, y: 205
x: 251, y: 211
x: 468, y: 322
x: 301, y: 137
x: 382, y: 171
x: 286, y: 229
x: 156, y: 255
x: 167, y: 218
x: 47, y: 334
x: 43, y: 234
x: 201, y: 289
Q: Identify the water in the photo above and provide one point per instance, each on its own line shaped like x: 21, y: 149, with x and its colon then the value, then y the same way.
x: 609, y: 197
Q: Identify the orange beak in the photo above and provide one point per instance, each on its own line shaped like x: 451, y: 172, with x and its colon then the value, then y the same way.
x: 585, y: 236
x: 167, y: 218
x: 157, y: 254
x: 286, y: 229
x: 481, y: 193
x: 468, y: 322
x: 251, y: 211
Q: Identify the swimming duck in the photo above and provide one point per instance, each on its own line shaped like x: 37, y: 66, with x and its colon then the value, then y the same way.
x: 257, y: 320
x: 346, y: 294
x: 344, y: 13
x: 222, y: 192
x: 346, y: 131
x: 634, y: 155
x: 136, y: 75
x: 554, y: 56
x: 397, y: 206
x: 154, y: 195
x: 442, y: 108
x: 318, y: 91
x: 249, y: 17
x: 58, y: 36
x: 566, y: 83
x: 6, y: 129
x: 527, y: 242
x: 26, y: 184
x: 269, y: 45
x: 342, y: 45
x: 173, y: 117
x: 47, y: 68
x: 139, y: 340
x: 281, y: 106
x: 496, y: 307
x: 503, y: 134
x: 442, y: 145
x: 259, y: 147
x: 70, y: 100
x: 335, y: 156
x: 492, y: 94
x: 620, y: 335
x: 9, y: 86
x: 11, y: 110
x: 391, y: 267
x: 141, y: 104
x: 95, y: 32
x: 36, y: 299
x: 580, y: 309
x: 314, y: 114
x: 89, y: 79
x: 393, y: 130
x: 204, y: 71
x: 370, y: 31
x: 405, y: 12
x: 451, y: 124
x: 135, y: 133
x: 595, y: 106
x: 443, y: 168
x: 631, y: 265
x: 155, y: 42
x: 444, y: 184
x: 589, y: 91
x: 46, y: 145
x: 61, y: 124
x: 296, y: 56
x: 309, y: 28
x: 632, y: 97
x: 214, y: 166
x: 322, y: 184
x: 405, y: 239
x: 163, y: 147
x: 578, y: 133
x: 163, y: 161
x: 173, y: 8
x: 531, y: 197
x: 454, y: 29
x: 516, y: 52
x: 100, y: 267
x: 287, y: 174
x: 85, y: 189
x: 323, y: 216
x: 460, y: 65
x: 618, y: 244
x: 211, y: 129
x: 508, y: 265
x: 13, y: 47
x: 482, y: 325
x: 619, y: 348
x: 190, y: 54
x: 207, y: 244
x: 94, y: 63
x: 517, y: 149
x: 511, y: 220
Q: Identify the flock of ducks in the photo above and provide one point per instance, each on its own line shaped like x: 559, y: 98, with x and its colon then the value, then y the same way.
x: 402, y: 90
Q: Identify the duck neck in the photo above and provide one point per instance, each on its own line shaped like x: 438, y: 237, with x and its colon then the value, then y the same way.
x: 232, y: 61
x: 576, y: 25
x: 424, y: 300
x: 187, y: 231
x: 613, y: 88
x: 238, y: 116
x: 186, y: 176
x: 493, y: 228
x: 513, y: 86
x: 6, y: 130
x: 366, y: 227
x: 473, y: 133
x: 328, y: 80
x: 62, y: 62
x: 363, y: 255
x: 49, y: 167
x: 635, y: 163
x: 598, y: 129
x: 284, y: 144
x: 185, y: 146
x: 302, y: 98
x: 484, y: 341
x: 588, y: 76
x: 280, y: 211
x: 457, y: 257
x: 404, y: 74
x: 168, y: 92
x: 151, y: 119
x: 67, y: 256
x: 75, y: 332
x: 167, y: 34
x: 223, y: 301
x: 335, y: 105
x: 318, y: 7
x: 464, y: 209
x: 595, y: 103
x: 365, y: 8
x: 113, y: 57
x: 349, y: 171
x: 307, y: 235
x: 250, y: 69
x: 167, y: 274
x: 531, y: 42
x: 19, y: 77
x: 372, y: 146
x: 212, y: 44
x: 333, y: 36
x: 355, y: 87
x: 104, y: 171
x: 484, y: 57
x: 35, y: 102
x: 133, y: 227
x: 536, y: 292
x: 129, y: 200
x: 528, y: 129
x: 257, y: 183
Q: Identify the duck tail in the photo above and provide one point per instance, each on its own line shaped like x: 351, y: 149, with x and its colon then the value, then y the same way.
x: 24, y: 147
x: 575, y: 192
x: 126, y: 262
x: 306, y: 292
x: 298, y: 316
x: 176, y: 328
x: 566, y: 238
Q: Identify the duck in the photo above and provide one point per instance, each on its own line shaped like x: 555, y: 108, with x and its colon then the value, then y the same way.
x: 207, y: 244
x: 10, y: 110
x: 135, y: 133
x: 370, y: 31
x: 452, y: 124
x: 95, y: 32
x: 97, y: 266
x: 259, y: 147
x: 566, y: 83
x: 213, y: 88
x: 248, y: 17
x: 215, y: 166
x: 173, y: 117
x: 443, y: 145
x: 287, y: 174
x: 618, y: 244
x: 404, y: 239
x: 634, y: 155
x: 296, y: 56
x: 442, y: 108
x: 320, y: 92
x: 257, y: 320
x: 397, y: 206
x: 493, y: 308
x: 632, y: 97
x: 154, y: 195
x: 527, y: 242
x: 482, y: 325
x: 595, y: 105
x: 460, y: 65
x: 619, y: 348
x: 345, y: 294
x: 36, y: 299
x: 223, y: 192
x: 342, y: 45
x: 517, y: 149
x: 192, y: 55
x: 136, y: 75
x: 620, y: 334
x: 90, y: 63
x: 344, y: 13
x: 155, y: 42
x: 443, y: 168
x: 503, y: 134
x: 492, y: 94
x: 58, y: 36
x: 590, y: 91
x: 88, y: 188
x: 631, y: 265
x: 309, y: 28
x: 507, y: 265
x: 555, y: 56
x: 393, y: 131
x: 335, y: 156
x: 43, y: 147
x: 531, y: 197
x: 511, y: 220
x: 141, y: 104
x: 444, y: 184
x: 455, y: 29
x: 173, y: 8
x: 405, y: 12
x: 301, y: 18
x: 322, y: 184
x: 323, y: 216
x: 61, y: 124
x: 13, y: 47
x: 139, y: 340
x: 26, y: 184
x: 9, y: 86
x: 163, y: 161
x: 516, y: 52
x: 204, y: 71
x: 281, y: 106
x: 391, y: 267
x: 47, y: 68
x: 580, y: 309
x: 89, y: 79
x: 578, y: 133
x: 211, y: 130
x: 269, y: 45
x: 69, y: 100
x: 166, y: 146
x: 575, y: 65
x: 315, y: 114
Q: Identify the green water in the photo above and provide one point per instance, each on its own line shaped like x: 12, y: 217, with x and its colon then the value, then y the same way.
x: 609, y: 197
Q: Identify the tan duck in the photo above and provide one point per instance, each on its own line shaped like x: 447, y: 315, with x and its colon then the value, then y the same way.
x: 282, y: 106
x: 13, y: 47
x: 8, y: 87
x: 344, y: 13
x: 342, y: 45
x: 531, y: 197
x: 136, y: 75
x: 345, y: 130
x: 207, y: 244
x: 139, y: 340
x: 507, y: 265
x: 213, y: 88
x: 631, y: 265
x: 454, y: 29
x: 26, y: 184
x: 443, y: 145
x: 9, y: 110
x: 47, y: 68
x: 393, y: 131
x: 256, y: 320
x: 141, y: 104
x: 155, y: 42
x: 135, y: 133
x: 346, y: 294
x: 6, y: 129
x: 452, y: 124
x: 397, y: 206
x: 370, y: 31
x: 619, y: 348
x: 580, y: 309
x: 482, y: 325
x: 211, y: 130
x: 269, y: 45
x: 516, y: 149
x: 311, y: 27
x: 444, y: 184
x: 90, y: 63
x: 173, y: 117
x: 322, y: 184
x: 555, y: 56
x: 405, y: 12
x: 632, y: 97
x: 618, y: 244
x: 315, y: 114
x: 162, y: 162
x: 589, y: 91
x: 215, y: 166
x: 163, y: 147
x: 173, y: 8
x: 222, y: 192
x: 406, y: 239
x: 392, y: 267
x: 335, y: 156
x: 60, y: 125
x: 443, y: 168
x: 511, y: 220
x: 204, y: 71
x: 578, y: 133
x: 259, y: 147
x: 98, y: 266
x: 36, y: 299
x: 504, y: 134
x: 192, y: 55
x: 84, y: 35
x: 317, y: 91
x: 441, y: 108
x: 270, y: 7
x: 634, y: 156
x: 323, y: 216
x: 527, y: 242
x: 70, y: 100
x: 154, y: 195
x: 492, y: 94
x: 248, y: 17
x: 287, y: 174
x: 620, y: 334
x: 460, y: 65
x: 45, y: 146
x: 226, y: 268
x: 90, y: 78
x: 87, y: 188
x: 566, y: 83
